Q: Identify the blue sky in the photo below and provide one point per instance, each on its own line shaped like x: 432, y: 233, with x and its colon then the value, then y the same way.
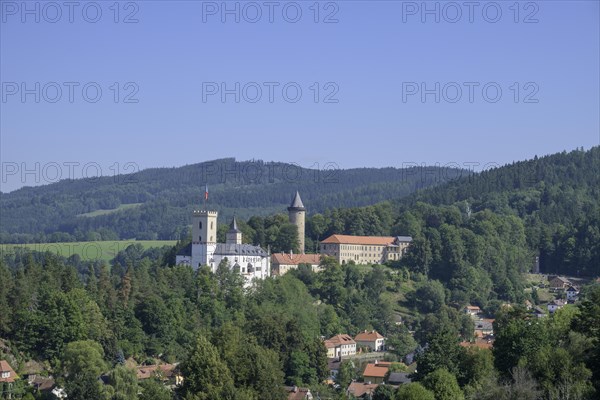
x: 375, y: 61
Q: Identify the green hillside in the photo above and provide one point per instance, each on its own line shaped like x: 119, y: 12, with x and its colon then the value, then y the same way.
x: 87, y: 251
x: 155, y: 203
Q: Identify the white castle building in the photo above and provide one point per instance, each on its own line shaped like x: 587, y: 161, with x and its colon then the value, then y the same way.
x: 252, y: 262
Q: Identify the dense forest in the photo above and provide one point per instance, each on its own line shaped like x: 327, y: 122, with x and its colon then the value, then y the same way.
x: 473, y: 238
x: 156, y: 203
x: 84, y: 319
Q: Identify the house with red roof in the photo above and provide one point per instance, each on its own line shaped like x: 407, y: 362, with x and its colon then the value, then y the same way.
x: 370, y: 339
x: 375, y: 372
x: 340, y: 346
x: 7, y: 377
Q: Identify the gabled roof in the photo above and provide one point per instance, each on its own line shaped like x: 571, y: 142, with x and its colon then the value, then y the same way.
x: 339, y: 340
x: 298, y: 393
x: 377, y: 370
x: 295, y: 259
x: 572, y: 289
x: 232, y: 249
x: 149, y: 371
x: 367, y: 336
x: 359, y: 389
x: 367, y: 240
x: 484, y: 324
x: 5, y: 367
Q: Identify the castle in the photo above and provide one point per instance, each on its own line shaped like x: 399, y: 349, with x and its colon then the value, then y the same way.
x: 252, y: 262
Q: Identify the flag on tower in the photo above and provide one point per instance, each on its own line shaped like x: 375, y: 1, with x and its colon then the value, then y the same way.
x: 206, y: 192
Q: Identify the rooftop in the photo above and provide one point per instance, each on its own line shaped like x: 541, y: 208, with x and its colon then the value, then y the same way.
x: 233, y: 227
x: 358, y: 389
x: 295, y: 259
x: 368, y: 336
x: 377, y: 369
x: 149, y: 371
x: 338, y: 340
x: 368, y: 240
x: 296, y: 203
x: 5, y: 367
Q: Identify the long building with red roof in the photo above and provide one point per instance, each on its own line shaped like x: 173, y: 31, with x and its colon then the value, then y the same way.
x: 365, y: 249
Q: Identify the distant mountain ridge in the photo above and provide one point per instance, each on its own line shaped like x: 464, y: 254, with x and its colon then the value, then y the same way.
x: 246, y: 188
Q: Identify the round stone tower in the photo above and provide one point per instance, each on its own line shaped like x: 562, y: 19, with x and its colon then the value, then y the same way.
x: 297, y: 214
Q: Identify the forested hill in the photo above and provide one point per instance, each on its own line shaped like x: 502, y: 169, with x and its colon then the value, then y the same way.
x: 556, y: 199
x: 155, y: 203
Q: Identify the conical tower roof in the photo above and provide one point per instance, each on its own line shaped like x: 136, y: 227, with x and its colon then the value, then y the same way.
x: 296, y: 203
x: 233, y: 226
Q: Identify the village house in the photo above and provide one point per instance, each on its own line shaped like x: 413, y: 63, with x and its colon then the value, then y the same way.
x: 284, y: 262
x: 165, y: 372
x: 361, y: 390
x: 538, y: 312
x: 298, y: 393
x: 7, y: 377
x: 373, y: 340
x: 472, y: 310
x: 555, y: 305
x: 484, y: 327
x: 559, y: 283
x: 41, y: 383
x: 334, y: 368
x: 340, y: 346
x: 375, y: 372
x: 572, y: 294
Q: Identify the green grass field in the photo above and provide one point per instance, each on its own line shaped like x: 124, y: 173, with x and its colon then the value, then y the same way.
x: 122, y: 207
x: 104, y: 250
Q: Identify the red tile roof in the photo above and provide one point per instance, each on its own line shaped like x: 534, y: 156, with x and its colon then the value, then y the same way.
x: 5, y: 367
x: 358, y: 389
x: 297, y: 393
x: 368, y: 336
x: 377, y: 370
x: 149, y: 371
x: 295, y: 259
x: 368, y: 240
x: 338, y: 340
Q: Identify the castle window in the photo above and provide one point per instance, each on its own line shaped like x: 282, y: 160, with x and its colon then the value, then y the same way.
x: 200, y: 238
x: 211, y: 224
x: 200, y: 225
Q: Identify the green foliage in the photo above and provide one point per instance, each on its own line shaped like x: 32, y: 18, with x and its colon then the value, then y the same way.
x: 414, y: 391
x: 206, y: 375
x: 164, y: 197
x: 442, y: 352
x: 152, y: 389
x: 123, y: 383
x: 83, y: 362
x: 346, y: 373
x: 443, y: 384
